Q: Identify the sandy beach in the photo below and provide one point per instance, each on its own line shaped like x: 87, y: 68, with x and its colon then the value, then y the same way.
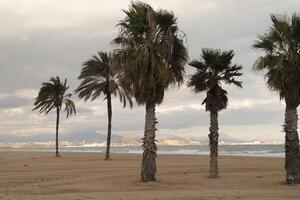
x: 25, y: 175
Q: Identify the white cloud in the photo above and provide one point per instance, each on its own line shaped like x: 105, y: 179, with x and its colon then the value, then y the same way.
x: 247, y: 103
x: 10, y: 112
x: 27, y: 93
x: 169, y: 109
x: 234, y: 104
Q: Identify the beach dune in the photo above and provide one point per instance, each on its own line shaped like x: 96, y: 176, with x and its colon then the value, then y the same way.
x: 35, y: 175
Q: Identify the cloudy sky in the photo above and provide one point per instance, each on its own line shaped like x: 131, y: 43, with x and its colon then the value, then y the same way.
x: 44, y: 38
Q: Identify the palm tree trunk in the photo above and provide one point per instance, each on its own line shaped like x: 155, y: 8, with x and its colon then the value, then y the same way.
x: 109, y: 115
x: 57, y: 125
x: 149, y: 156
x: 213, y: 143
x: 292, y: 154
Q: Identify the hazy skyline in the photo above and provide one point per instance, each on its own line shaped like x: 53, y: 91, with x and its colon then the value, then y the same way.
x: 46, y: 38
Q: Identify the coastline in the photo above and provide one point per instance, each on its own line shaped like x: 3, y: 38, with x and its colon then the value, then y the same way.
x: 261, y: 150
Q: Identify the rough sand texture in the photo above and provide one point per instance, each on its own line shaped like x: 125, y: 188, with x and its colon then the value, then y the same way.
x: 180, y: 177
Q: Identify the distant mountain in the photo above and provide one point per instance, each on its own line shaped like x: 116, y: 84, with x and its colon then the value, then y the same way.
x: 180, y: 141
x: 223, y: 139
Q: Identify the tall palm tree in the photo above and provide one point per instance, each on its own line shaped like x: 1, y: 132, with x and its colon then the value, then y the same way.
x: 153, y: 57
x: 101, y: 75
x: 214, y: 68
x: 52, y: 95
x: 281, y: 60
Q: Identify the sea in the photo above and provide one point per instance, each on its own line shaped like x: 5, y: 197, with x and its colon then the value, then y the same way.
x: 262, y: 150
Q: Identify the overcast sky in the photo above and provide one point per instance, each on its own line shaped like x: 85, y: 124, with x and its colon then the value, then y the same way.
x: 44, y: 38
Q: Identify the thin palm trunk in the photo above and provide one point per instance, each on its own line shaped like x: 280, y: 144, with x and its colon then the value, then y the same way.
x: 149, y: 156
x: 292, y: 154
x: 57, y: 125
x: 213, y: 143
x: 109, y: 115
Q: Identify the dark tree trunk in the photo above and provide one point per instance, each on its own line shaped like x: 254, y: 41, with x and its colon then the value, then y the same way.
x: 109, y: 115
x: 213, y: 143
x: 149, y: 156
x: 57, y: 125
x: 292, y: 154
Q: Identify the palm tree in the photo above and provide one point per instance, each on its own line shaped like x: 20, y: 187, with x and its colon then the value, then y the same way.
x: 52, y: 95
x: 214, y: 68
x: 153, y: 57
x: 281, y: 61
x: 100, y: 75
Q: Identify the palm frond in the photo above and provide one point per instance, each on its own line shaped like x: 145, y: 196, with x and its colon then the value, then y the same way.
x: 151, y: 50
x: 52, y: 95
x: 69, y: 107
x: 281, y: 59
x: 213, y: 68
x: 101, y: 75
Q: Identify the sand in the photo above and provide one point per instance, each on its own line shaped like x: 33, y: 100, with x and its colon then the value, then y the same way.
x: 180, y: 177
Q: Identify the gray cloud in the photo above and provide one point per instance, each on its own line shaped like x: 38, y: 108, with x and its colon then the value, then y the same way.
x: 45, y: 38
x: 13, y: 102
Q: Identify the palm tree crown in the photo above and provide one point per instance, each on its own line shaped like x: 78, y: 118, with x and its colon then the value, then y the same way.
x: 52, y: 95
x: 213, y: 69
x: 281, y: 59
x: 100, y: 75
x: 151, y: 50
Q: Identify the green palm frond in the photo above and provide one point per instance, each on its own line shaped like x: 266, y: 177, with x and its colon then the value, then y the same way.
x: 101, y: 75
x: 69, y: 107
x: 52, y: 95
x: 281, y: 59
x: 212, y: 69
x: 151, y: 50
